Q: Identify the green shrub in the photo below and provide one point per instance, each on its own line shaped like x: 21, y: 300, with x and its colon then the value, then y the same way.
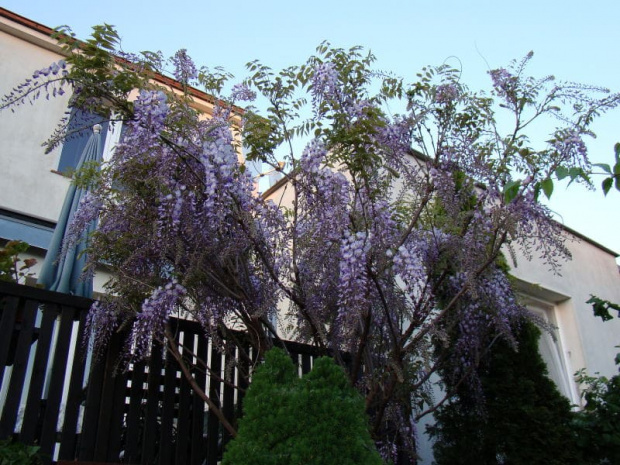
x: 524, y: 420
x: 318, y: 419
x: 598, y: 424
x: 16, y: 453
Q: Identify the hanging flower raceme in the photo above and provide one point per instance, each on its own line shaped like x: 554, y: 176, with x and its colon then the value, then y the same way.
x: 241, y: 92
x: 324, y: 83
x: 87, y: 212
x: 446, y: 94
x: 571, y: 148
x: 49, y: 80
x: 323, y: 195
x: 102, y: 321
x: 142, y: 136
x: 353, y: 280
x: 486, y: 311
x: 156, y: 310
x: 409, y: 266
x: 184, y: 68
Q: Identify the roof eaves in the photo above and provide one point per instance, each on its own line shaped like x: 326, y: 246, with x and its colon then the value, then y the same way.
x: 47, y: 31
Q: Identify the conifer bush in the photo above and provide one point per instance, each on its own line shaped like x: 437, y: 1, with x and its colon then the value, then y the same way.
x: 318, y: 419
x: 523, y: 418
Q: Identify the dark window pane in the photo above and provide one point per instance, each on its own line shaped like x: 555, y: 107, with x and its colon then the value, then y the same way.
x: 80, y: 128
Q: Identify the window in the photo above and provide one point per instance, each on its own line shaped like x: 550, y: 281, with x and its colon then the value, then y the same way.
x: 79, y: 131
x: 551, y: 349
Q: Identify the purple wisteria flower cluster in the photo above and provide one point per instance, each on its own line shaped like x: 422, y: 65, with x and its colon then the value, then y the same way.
x: 48, y: 82
x: 353, y: 278
x: 184, y: 68
x: 156, y: 310
x: 324, y: 83
x: 242, y: 93
x: 447, y: 93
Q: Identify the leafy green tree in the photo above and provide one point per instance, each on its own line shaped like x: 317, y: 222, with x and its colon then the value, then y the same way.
x: 523, y: 420
x: 358, y: 256
x: 318, y: 419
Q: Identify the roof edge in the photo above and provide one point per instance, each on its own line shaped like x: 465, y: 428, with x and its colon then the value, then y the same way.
x: 162, y: 79
x: 585, y: 238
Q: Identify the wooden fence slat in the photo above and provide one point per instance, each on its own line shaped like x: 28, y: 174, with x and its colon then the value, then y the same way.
x: 134, y: 414
x: 167, y: 417
x: 228, y: 404
x: 243, y: 382
x: 198, y: 406
x: 106, y: 399
x: 8, y: 306
x: 90, y: 425
x: 59, y: 369
x: 37, y: 379
x: 118, y: 412
x: 76, y: 394
x: 183, y: 415
x: 150, y: 437
x: 16, y: 383
x: 213, y: 423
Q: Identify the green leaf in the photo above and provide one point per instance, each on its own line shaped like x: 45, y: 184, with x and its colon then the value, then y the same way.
x: 604, y: 166
x: 561, y: 172
x: 601, y: 307
x: 547, y: 187
x: 607, y: 183
x: 511, y: 189
x: 601, y: 311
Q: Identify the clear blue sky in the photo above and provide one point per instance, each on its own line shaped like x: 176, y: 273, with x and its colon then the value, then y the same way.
x: 573, y: 40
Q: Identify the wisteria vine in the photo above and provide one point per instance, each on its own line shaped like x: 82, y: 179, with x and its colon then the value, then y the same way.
x: 384, y: 239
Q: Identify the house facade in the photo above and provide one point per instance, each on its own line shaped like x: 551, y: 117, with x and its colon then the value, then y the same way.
x: 34, y: 184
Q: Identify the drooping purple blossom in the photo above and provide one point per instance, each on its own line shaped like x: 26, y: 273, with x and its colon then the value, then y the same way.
x: 156, y: 310
x: 353, y: 279
x: 85, y: 215
x: 184, y: 68
x: 48, y: 82
x: 572, y: 149
x: 324, y: 82
x: 102, y: 321
x: 503, y: 81
x: 242, y: 93
x: 447, y: 93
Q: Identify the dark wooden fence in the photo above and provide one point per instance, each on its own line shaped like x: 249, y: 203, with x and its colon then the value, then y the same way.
x: 53, y: 395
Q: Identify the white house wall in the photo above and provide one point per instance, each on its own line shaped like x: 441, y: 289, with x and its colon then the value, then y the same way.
x: 588, y: 341
x: 32, y: 187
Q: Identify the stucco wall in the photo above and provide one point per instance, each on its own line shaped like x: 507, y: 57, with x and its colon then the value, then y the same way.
x: 588, y: 341
x: 32, y: 188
